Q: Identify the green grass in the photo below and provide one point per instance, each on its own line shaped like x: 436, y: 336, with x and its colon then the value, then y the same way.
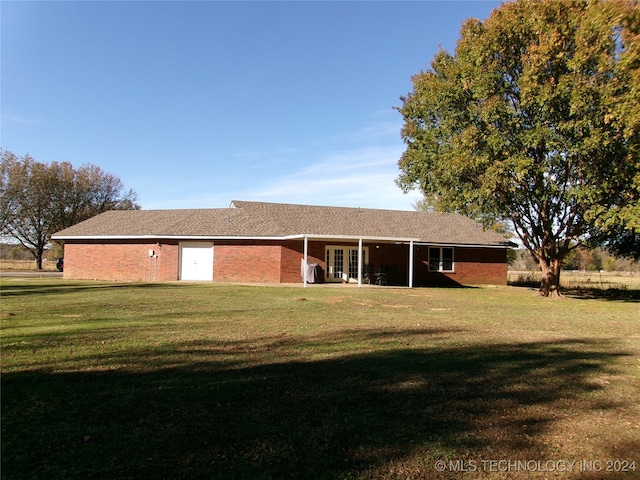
x: 593, y: 283
x: 172, y: 381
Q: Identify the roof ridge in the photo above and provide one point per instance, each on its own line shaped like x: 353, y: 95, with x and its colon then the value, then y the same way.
x: 239, y: 204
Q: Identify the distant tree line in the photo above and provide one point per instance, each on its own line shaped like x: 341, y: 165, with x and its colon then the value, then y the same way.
x: 39, y: 199
x: 582, y: 259
x: 15, y: 251
x: 18, y: 252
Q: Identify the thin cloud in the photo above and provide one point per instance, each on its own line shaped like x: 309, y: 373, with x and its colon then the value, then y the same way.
x: 378, y: 130
x: 363, y: 177
x: 8, y: 119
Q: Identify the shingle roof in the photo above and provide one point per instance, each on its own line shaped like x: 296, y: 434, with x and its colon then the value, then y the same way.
x: 279, y: 220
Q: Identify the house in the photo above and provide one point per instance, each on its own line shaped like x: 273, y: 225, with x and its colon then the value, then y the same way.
x: 257, y: 242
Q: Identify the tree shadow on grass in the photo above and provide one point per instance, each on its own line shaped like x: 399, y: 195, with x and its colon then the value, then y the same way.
x: 263, y: 417
x: 613, y: 294
x: 49, y: 288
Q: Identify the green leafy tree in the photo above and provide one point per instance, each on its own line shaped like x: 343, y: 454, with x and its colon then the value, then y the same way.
x: 8, y: 163
x: 39, y: 199
x: 534, y: 120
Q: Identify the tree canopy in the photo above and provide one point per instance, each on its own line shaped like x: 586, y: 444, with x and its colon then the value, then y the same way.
x: 535, y: 120
x: 38, y: 199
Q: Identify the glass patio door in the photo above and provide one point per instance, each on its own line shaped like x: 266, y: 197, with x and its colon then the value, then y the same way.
x: 342, y: 263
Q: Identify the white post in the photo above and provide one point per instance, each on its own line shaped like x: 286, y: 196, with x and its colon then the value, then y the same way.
x: 305, y: 260
x: 411, y: 264
x: 359, y: 262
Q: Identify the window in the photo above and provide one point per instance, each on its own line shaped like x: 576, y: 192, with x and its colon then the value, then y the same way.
x: 440, y: 259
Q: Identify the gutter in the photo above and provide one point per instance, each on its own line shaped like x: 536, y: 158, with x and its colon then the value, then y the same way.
x: 398, y: 240
x: 348, y: 237
x: 154, y: 237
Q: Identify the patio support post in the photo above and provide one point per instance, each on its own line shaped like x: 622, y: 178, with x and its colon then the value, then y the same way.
x: 359, y: 262
x: 305, y: 260
x: 411, y: 264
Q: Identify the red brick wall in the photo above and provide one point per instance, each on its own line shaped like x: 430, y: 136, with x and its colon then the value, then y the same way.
x: 472, y: 266
x: 233, y: 262
x: 241, y: 262
x: 379, y: 254
x: 291, y: 262
x: 272, y: 262
x: 292, y: 255
x: 168, y: 263
x: 482, y: 265
x: 120, y: 261
x: 263, y: 262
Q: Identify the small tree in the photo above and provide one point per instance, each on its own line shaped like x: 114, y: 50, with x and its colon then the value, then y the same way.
x: 534, y: 120
x: 38, y: 200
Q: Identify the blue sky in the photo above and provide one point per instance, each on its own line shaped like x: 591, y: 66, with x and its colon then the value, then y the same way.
x: 195, y: 104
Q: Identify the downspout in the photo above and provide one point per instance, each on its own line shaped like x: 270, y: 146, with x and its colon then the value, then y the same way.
x: 411, y: 264
x: 359, y: 262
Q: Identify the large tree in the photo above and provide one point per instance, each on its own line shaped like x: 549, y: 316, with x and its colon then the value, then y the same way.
x: 38, y: 199
x: 535, y: 119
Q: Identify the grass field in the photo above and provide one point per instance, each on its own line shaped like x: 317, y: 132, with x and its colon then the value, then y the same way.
x: 208, y: 381
x: 578, y: 280
x: 12, y: 265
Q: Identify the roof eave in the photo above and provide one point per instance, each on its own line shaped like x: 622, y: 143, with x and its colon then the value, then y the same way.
x: 316, y: 236
x: 467, y: 245
x: 416, y: 241
x: 160, y: 236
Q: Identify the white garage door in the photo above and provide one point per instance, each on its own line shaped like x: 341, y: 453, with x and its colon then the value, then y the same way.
x: 196, y: 261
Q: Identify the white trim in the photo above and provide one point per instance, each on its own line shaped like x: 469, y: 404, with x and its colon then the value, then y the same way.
x: 205, y: 238
x: 441, y: 260
x: 459, y: 245
x: 360, y: 251
x: 306, y: 261
x: 348, y: 237
x: 411, y: 265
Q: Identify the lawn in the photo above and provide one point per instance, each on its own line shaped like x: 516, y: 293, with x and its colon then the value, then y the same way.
x: 592, y: 282
x: 208, y: 381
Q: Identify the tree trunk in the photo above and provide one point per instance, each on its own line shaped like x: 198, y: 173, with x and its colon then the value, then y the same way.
x: 38, y: 254
x: 550, y: 284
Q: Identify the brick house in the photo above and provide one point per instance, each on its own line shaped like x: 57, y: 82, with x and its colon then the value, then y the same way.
x: 256, y: 242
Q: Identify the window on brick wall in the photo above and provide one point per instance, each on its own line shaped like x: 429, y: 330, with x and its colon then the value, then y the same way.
x: 440, y: 259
